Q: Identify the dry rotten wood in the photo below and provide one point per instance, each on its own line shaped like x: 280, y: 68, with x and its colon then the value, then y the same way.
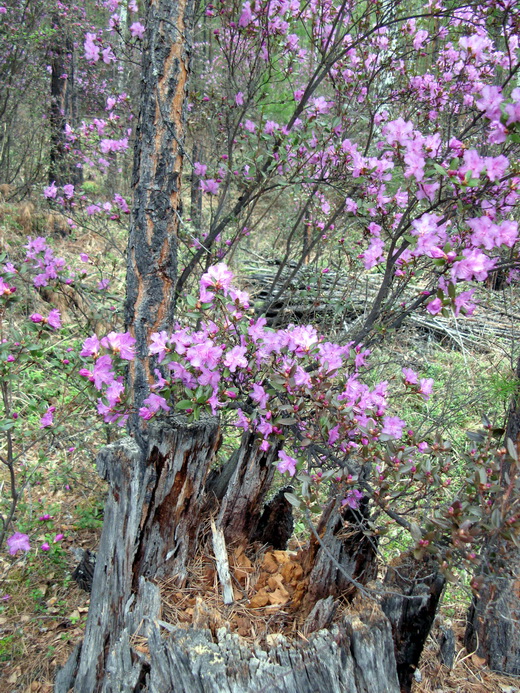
x: 343, y: 556
x: 415, y: 588
x: 151, y: 529
x: 221, y: 559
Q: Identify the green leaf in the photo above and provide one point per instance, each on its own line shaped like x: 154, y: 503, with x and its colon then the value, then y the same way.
x: 184, y: 404
x: 511, y: 448
x: 293, y: 500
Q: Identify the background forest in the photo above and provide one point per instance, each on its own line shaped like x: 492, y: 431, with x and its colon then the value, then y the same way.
x: 350, y: 166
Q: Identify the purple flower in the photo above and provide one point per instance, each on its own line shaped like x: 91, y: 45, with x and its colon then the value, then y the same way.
x: 352, y: 499
x: 45, y: 546
x: 36, y: 318
x: 91, y: 50
x: 50, y: 191
x: 235, y: 358
x: 18, y: 542
x: 426, y: 388
x: 393, y: 426
x: 58, y: 537
x: 137, y: 30
x: 217, y: 277
x: 120, y: 343
x: 84, y: 257
x: 410, y: 376
x: 91, y: 346
x: 259, y: 395
x: 199, y: 169
x: 210, y: 186
x: 48, y: 418
x: 53, y: 319
x: 68, y: 191
x: 154, y: 403
x: 434, y: 306
x: 103, y: 372
x: 286, y: 463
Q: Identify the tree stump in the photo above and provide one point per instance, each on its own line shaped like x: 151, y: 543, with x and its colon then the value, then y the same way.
x: 154, y: 516
x: 416, y: 586
x: 493, y: 629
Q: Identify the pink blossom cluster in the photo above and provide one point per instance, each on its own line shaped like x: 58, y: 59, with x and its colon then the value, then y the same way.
x: 285, y: 385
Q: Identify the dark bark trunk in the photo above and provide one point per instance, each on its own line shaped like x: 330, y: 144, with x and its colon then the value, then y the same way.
x: 493, y: 629
x: 196, y: 192
x: 152, y: 246
x: 417, y: 587
x: 61, y: 166
x: 344, y: 555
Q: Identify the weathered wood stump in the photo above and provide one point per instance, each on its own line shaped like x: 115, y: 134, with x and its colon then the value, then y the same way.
x: 416, y: 588
x: 493, y: 629
x: 155, y: 515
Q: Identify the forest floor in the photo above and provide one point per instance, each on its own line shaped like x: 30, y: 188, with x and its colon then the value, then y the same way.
x: 43, y: 611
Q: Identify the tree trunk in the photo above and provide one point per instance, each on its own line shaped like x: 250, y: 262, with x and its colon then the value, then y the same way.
x: 153, y: 523
x: 417, y: 587
x: 159, y: 150
x: 493, y: 628
x: 61, y: 167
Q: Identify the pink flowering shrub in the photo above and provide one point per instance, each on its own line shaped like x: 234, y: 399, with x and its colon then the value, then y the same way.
x: 306, y: 395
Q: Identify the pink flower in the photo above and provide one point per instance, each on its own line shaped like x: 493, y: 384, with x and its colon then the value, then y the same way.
x: 159, y: 345
x: 250, y: 126
x: 410, y: 376
x: 137, y: 30
x: 53, y: 319
x: 50, y: 191
x: 154, y: 403
x: 58, y: 537
x: 18, y: 542
x: 91, y: 346
x: 259, y: 395
x: 235, y: 358
x: 84, y: 257
x: 209, y: 186
x: 270, y: 127
x: 242, y: 420
x: 48, y: 418
x: 91, y: 50
x: 108, y: 55
x: 217, y: 277
x: 286, y: 463
x: 36, y: 318
x: 239, y: 98
x: 462, y: 303
x: 102, y: 372
x: 120, y: 343
x: 45, y: 546
x: 352, y: 499
x: 393, y: 426
x: 434, y: 306
x: 68, y: 191
x: 246, y: 17
x: 199, y: 169
x: 426, y: 388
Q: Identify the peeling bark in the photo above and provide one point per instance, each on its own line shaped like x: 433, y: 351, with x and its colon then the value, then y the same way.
x: 159, y: 149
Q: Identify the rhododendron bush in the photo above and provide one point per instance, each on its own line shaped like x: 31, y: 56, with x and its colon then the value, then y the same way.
x: 379, y: 138
x: 305, y: 394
